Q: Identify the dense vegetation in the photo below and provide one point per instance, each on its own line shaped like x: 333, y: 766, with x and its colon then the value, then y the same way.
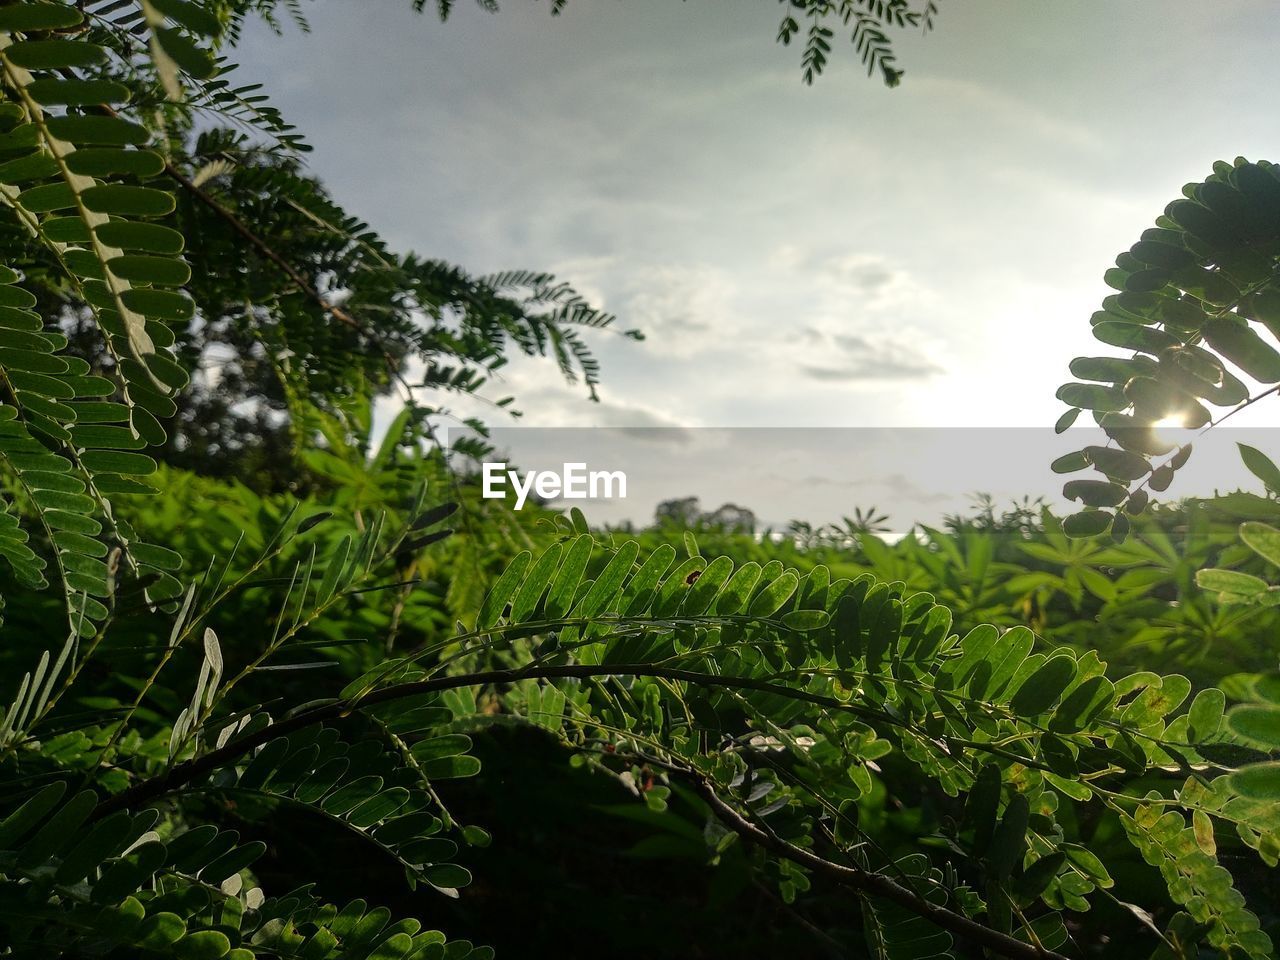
x: 274, y: 687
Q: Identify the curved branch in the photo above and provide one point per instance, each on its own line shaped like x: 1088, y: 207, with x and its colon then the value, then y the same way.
x: 188, y: 771
x: 875, y: 884
x: 861, y: 880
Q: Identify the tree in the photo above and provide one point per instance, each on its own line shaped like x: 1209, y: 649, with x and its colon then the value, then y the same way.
x: 1192, y: 295
x: 749, y: 710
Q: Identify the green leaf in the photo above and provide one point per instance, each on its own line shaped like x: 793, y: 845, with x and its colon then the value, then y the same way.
x: 1070, y: 462
x: 1132, y: 336
x: 1090, y: 523
x: 66, y: 229
x: 1116, y: 370
x: 1118, y: 464
x: 1230, y: 581
x: 25, y: 818
x: 190, y: 15
x: 95, y: 412
x: 77, y: 92
x: 707, y: 587
x: 451, y: 768
x: 1091, y: 396
x: 1082, y: 705
x: 1040, y: 874
x: 804, y: 620
x: 609, y: 582
x: 535, y: 584
x: 691, y: 544
x: 159, y: 930
x: 1041, y: 690
x: 982, y: 806
x: 126, y: 201
x: 772, y: 598
x: 975, y: 648
x: 676, y: 585
x: 232, y: 862
x: 1205, y: 714
x: 642, y: 587
x: 503, y: 590
x: 151, y: 237
x: 1238, y: 342
x: 350, y: 795
x: 103, y: 131
x: 1263, y: 539
x: 105, y: 838
x: 376, y: 809
x: 1009, y: 841
x: 159, y: 304
x: 193, y: 59
x: 128, y: 874
x: 565, y: 584
x: 738, y: 590
x: 1258, y: 781
x: 447, y: 875
x: 24, y: 169
x: 1257, y: 724
x: 1065, y: 421
x: 1088, y: 864
x: 399, y: 945
x: 435, y: 748
x: 1261, y: 466
x: 115, y: 461
x: 114, y: 162
x: 54, y: 54
x: 1156, y: 399
x: 333, y: 570
x: 46, y: 198
x: 154, y: 556
x: 16, y: 299
x: 202, y: 945
x: 1095, y: 493
x: 25, y: 17
x: 1003, y: 663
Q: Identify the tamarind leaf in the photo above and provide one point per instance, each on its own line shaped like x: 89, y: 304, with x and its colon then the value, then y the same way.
x: 1261, y: 466
x: 1258, y: 781
x: 503, y: 590
x: 1009, y: 839
x: 1258, y: 725
x: 1041, y: 690
x: 535, y: 584
x: 566, y: 581
x: 772, y: 598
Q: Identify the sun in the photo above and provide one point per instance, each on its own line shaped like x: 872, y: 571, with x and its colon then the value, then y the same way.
x: 1175, y: 421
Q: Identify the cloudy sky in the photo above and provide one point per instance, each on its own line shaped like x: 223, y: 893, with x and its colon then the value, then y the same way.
x: 835, y: 255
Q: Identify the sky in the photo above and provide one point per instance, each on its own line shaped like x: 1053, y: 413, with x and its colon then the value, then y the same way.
x: 841, y: 255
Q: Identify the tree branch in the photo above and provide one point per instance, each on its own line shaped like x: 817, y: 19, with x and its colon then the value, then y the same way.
x: 873, y: 884
x: 188, y: 771
x: 863, y: 881
x: 263, y: 248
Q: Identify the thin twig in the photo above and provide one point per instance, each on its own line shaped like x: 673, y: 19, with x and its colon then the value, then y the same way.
x: 871, y: 883
x: 190, y: 770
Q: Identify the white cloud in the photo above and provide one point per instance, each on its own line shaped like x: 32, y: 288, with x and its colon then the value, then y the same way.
x: 682, y: 308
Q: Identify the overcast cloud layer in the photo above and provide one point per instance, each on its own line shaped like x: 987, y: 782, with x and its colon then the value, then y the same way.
x: 841, y: 255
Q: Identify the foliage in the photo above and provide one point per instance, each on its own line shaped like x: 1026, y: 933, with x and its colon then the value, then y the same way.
x: 1192, y: 295
x: 866, y: 20
x: 884, y: 731
x: 293, y: 302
